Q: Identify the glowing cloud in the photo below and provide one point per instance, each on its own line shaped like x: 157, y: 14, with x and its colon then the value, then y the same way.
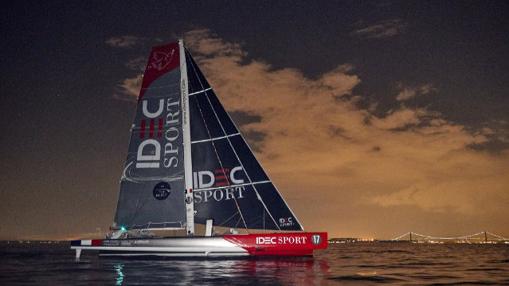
x: 123, y: 41
x: 411, y: 92
x: 383, y: 29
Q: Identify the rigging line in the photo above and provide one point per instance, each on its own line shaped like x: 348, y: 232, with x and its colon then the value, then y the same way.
x: 139, y: 206
x: 237, y: 224
x: 228, y: 219
x: 236, y: 155
x: 213, y: 145
x: 164, y: 223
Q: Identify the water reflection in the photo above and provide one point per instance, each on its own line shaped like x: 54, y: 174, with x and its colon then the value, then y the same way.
x: 119, y: 279
x: 296, y: 271
x: 288, y: 271
x: 355, y: 263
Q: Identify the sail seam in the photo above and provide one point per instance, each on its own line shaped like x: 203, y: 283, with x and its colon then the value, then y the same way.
x: 228, y: 219
x: 215, y: 138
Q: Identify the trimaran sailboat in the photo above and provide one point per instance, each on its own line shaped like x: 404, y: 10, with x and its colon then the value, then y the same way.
x: 188, y: 164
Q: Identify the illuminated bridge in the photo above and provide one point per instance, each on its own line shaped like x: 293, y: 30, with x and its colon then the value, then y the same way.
x: 480, y: 237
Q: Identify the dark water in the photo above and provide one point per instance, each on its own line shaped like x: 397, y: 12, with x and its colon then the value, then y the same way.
x: 341, y: 264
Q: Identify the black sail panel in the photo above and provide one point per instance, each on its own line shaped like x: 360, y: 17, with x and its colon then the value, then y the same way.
x: 196, y: 79
x: 230, y: 186
x: 152, y: 184
x: 224, y: 118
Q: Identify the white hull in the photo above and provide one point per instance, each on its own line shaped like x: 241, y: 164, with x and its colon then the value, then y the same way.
x: 275, y: 244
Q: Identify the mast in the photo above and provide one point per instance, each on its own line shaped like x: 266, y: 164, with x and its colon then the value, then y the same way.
x: 186, y: 126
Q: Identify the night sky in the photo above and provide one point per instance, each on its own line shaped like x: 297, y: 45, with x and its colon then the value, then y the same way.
x: 373, y: 118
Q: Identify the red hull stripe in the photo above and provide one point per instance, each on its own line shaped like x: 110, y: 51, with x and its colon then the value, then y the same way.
x: 284, y: 244
x: 97, y: 242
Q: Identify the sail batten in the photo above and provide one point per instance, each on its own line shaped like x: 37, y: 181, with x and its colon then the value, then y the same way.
x: 200, y: 91
x: 215, y: 138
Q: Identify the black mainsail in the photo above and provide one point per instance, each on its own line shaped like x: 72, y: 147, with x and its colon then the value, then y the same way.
x: 227, y: 183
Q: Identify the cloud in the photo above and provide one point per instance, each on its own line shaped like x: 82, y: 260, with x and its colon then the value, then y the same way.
x: 137, y: 64
x: 408, y: 92
x: 129, y: 89
x: 400, y: 118
x: 211, y: 45
x: 316, y: 140
x: 123, y: 41
x: 383, y: 29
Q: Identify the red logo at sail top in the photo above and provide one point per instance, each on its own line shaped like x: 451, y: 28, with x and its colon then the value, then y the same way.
x: 162, y: 60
